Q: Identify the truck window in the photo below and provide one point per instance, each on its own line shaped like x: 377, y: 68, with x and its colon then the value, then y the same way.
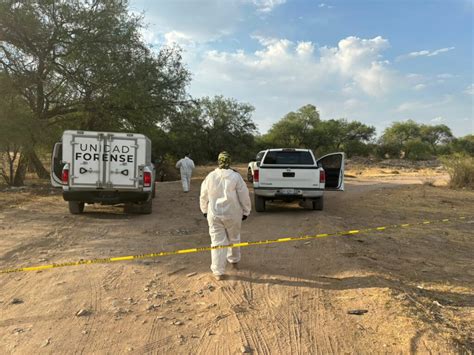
x: 259, y: 156
x: 332, y: 161
x: 288, y: 158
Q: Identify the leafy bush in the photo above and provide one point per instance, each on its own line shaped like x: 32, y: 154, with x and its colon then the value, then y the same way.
x: 386, y: 150
x: 460, y: 169
x: 357, y: 148
x: 416, y: 149
x: 464, y: 144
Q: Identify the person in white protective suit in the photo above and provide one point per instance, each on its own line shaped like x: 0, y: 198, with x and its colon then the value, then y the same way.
x: 186, y: 167
x: 225, y: 202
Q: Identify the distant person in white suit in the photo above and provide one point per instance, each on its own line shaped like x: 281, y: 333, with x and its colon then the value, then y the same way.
x: 186, y: 167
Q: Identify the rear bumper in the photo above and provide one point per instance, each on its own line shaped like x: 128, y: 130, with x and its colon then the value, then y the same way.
x: 107, y: 197
x: 278, y: 193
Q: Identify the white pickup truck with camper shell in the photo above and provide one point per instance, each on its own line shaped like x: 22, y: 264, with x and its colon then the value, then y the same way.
x: 295, y: 174
x: 103, y: 167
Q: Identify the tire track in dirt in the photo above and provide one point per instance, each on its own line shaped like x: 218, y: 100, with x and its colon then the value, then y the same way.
x: 307, y: 314
x: 250, y: 333
x: 151, y: 342
x: 294, y: 334
x: 321, y: 342
x: 154, y: 340
x: 108, y: 282
x: 276, y: 325
x: 87, y: 340
x: 207, y: 343
x: 154, y: 346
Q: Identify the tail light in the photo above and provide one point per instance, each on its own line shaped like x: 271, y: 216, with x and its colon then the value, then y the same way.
x: 146, y: 179
x: 256, y: 176
x: 322, y: 177
x: 65, y: 176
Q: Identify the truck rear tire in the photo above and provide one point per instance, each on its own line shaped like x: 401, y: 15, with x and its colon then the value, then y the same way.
x: 259, y: 204
x: 147, y: 207
x: 318, y: 204
x: 76, y: 207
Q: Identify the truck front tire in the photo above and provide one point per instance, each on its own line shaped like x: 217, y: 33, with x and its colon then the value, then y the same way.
x: 76, y: 207
x: 318, y: 204
x: 259, y: 204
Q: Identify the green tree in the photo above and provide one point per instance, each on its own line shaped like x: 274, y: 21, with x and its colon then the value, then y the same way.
x: 228, y: 125
x: 463, y: 144
x: 296, y: 129
x: 436, y: 135
x: 344, y: 135
x: 13, y: 133
x: 305, y: 129
x: 395, y: 137
x: 83, y: 64
x: 211, y: 125
x: 417, y: 149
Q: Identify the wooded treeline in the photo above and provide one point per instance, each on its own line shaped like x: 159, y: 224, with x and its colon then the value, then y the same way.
x: 74, y: 64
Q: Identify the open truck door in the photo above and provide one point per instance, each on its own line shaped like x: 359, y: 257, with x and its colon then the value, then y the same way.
x: 333, y: 165
x: 57, y: 165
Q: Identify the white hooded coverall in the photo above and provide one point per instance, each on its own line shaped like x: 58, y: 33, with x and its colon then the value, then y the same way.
x: 186, y: 167
x: 225, y: 198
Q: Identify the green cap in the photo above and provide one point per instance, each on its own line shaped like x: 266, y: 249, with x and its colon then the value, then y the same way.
x: 224, y: 160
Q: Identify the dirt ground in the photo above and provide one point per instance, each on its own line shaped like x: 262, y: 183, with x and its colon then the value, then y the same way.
x: 291, y: 298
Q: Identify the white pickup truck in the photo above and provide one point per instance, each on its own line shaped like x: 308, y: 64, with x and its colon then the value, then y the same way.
x: 295, y: 174
x: 103, y: 167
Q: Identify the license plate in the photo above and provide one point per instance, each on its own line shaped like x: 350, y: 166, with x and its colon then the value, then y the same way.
x: 287, y: 191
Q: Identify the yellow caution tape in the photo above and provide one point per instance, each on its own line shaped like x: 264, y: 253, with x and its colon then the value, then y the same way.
x: 243, y: 244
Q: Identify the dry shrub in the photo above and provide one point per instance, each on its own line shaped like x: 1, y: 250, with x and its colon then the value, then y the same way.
x: 460, y: 168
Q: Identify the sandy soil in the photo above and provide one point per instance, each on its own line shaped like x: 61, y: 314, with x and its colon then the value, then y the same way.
x: 416, y: 284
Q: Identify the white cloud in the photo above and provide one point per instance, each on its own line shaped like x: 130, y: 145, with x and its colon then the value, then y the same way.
x: 175, y: 37
x: 358, y: 60
x: 438, y: 51
x: 267, y: 5
x: 323, y: 5
x: 425, y: 53
x: 469, y: 90
x: 412, y: 106
x: 286, y: 65
x: 353, y: 104
x: 305, y: 49
x: 437, y: 119
x: 445, y: 76
x: 418, y: 54
x: 419, y: 87
x: 201, y: 21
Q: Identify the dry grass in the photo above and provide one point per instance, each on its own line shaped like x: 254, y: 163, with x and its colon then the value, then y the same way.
x: 461, y: 171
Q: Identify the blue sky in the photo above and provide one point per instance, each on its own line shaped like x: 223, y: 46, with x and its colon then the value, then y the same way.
x: 371, y: 61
